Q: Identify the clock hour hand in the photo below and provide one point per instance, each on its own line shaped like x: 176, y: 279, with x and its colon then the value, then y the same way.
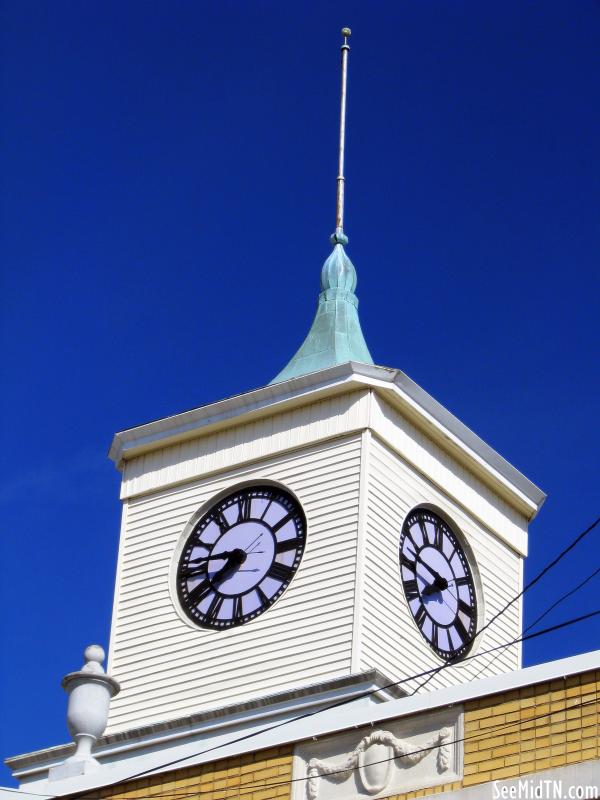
x: 433, y: 588
x: 439, y: 582
x: 235, y: 558
x: 200, y: 559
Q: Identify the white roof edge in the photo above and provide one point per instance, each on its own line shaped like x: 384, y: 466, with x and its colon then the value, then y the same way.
x: 132, y: 441
x: 223, y: 410
x: 469, y: 438
x: 202, y: 749
x: 496, y: 684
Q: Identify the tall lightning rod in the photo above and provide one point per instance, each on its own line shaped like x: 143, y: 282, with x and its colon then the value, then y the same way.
x: 339, y: 216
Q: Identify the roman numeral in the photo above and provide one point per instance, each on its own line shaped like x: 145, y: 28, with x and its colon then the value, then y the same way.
x: 461, y: 630
x: 262, y: 597
x: 438, y: 539
x: 464, y: 581
x: 221, y: 521
x: 434, y: 636
x: 199, y: 592
x: 244, y: 504
x: 466, y: 609
x: 286, y: 545
x: 412, y: 541
x: 238, y: 613
x: 423, y: 531
x: 267, y: 507
x: 420, y: 616
x: 281, y: 572
x: 215, y: 606
x: 406, y: 562
x: 411, y: 589
x: 283, y: 521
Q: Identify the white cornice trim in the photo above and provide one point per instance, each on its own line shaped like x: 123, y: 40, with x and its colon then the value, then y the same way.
x: 394, y: 385
x: 202, y: 742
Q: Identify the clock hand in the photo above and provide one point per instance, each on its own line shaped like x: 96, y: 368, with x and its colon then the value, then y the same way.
x: 435, y: 574
x: 254, y: 542
x: 235, y: 558
x: 439, y: 582
x: 454, y: 597
x: 223, y: 554
x: 198, y: 560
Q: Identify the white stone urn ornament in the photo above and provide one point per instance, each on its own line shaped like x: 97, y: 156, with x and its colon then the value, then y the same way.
x: 90, y: 691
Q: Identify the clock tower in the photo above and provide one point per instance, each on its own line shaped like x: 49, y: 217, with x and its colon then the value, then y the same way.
x: 334, y: 528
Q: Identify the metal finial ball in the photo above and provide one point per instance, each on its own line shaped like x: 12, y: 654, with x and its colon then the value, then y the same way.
x: 346, y: 32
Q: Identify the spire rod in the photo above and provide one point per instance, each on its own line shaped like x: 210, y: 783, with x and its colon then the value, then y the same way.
x: 339, y: 216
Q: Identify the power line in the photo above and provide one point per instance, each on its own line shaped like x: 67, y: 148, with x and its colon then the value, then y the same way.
x: 538, y: 577
x: 511, y: 602
x: 481, y: 734
x: 561, y: 599
x: 431, y: 672
x: 338, y: 704
x: 425, y: 673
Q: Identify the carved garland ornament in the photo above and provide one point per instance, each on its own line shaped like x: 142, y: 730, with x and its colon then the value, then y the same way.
x: 373, y: 779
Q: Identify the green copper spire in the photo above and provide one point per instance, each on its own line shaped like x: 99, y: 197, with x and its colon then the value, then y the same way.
x: 335, y: 336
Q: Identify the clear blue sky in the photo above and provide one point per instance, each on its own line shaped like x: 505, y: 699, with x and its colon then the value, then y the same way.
x: 168, y: 172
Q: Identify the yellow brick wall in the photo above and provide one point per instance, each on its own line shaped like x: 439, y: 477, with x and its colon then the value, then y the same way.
x: 220, y: 780
x: 506, y: 735
x: 528, y: 730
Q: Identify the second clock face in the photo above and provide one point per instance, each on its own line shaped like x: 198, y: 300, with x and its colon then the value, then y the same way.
x: 438, y: 584
x: 240, y: 557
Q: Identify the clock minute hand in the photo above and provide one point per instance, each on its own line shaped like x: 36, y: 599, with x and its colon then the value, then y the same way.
x: 222, y: 573
x: 435, y: 574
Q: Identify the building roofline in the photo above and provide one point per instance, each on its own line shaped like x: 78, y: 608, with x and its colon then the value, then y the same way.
x: 394, y: 385
x: 216, y: 740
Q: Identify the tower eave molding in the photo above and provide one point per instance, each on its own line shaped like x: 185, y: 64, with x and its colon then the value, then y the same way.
x: 396, y: 388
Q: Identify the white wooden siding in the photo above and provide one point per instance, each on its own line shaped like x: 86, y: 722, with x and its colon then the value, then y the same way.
x: 390, y: 640
x: 357, y: 466
x: 442, y: 469
x: 243, y: 444
x: 166, y: 667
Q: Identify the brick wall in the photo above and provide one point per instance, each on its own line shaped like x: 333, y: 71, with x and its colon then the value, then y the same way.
x: 215, y: 781
x: 506, y: 735
x: 528, y: 730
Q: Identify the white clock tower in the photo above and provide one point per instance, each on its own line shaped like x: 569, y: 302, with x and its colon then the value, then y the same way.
x: 337, y: 528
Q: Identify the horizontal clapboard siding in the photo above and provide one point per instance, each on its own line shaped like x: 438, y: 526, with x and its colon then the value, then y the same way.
x: 166, y: 667
x: 389, y: 639
x: 442, y: 469
x: 243, y: 444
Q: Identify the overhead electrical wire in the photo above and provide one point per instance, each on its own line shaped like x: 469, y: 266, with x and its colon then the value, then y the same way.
x: 431, y: 672
x: 153, y: 770
x: 511, y: 602
x: 481, y: 734
x: 425, y: 673
x: 545, y: 613
x: 288, y: 781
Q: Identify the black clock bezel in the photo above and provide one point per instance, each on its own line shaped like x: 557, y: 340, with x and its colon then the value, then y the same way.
x: 202, y: 518
x: 466, y: 558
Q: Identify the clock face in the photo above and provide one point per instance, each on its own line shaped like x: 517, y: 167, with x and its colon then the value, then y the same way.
x: 438, y: 584
x: 240, y: 557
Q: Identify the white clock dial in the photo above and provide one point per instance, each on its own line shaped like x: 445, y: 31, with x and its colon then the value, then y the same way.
x: 438, y: 584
